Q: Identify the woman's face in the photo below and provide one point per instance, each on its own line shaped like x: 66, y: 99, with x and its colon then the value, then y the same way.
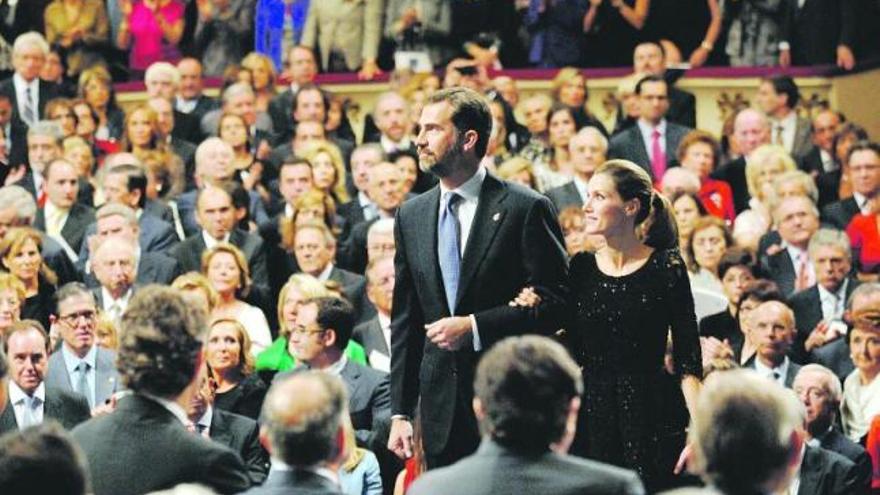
x: 86, y: 125
x: 66, y: 119
x: 686, y: 213
x: 289, y: 308
x: 709, y: 246
x: 843, y: 146
x: 52, y: 68
x: 699, y: 158
x: 746, y: 309
x: 735, y: 280
x: 260, y: 77
x: 572, y: 92
x: 864, y: 348
x: 224, y: 274
x: 233, y: 131
x: 323, y: 171
x: 25, y: 263
x: 575, y: 239
x: 10, y: 308
x: 604, y: 209
x: 409, y: 170
x: 766, y: 174
x: 96, y: 93
x: 224, y: 351
x: 309, y: 214
x: 82, y: 158
x: 139, y: 129
x: 562, y: 128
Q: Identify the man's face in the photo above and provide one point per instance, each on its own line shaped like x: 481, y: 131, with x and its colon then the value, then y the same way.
x: 380, y: 285
x: 437, y: 142
x: 824, y: 127
x: 812, y: 389
x: 772, y: 331
x: 653, y: 101
x: 190, y: 79
x: 243, y: 105
x: 648, y: 59
x: 28, y: 62
x: 586, y: 153
x: 164, y: 115
x: 392, y: 117
x: 115, y: 268
x: 864, y: 172
x: 116, y: 190
x: 506, y: 87
x: 215, y: 213
x: 27, y: 359
x: 312, y: 251
x: 218, y: 164
x: 52, y: 69
x: 362, y: 161
x: 535, y: 111
x: 797, y: 222
x: 77, y: 320
x: 306, y: 338
x: 160, y: 85
x: 386, y: 186
x: 203, y: 397
x: 769, y: 101
x: 62, y: 185
x: 8, y: 219
x: 832, y: 265
x: 294, y: 180
x: 5, y: 111
x: 310, y: 106
x: 380, y: 244
x: 307, y: 132
x: 116, y: 226
x: 750, y: 132
x: 41, y: 151
x: 303, y: 68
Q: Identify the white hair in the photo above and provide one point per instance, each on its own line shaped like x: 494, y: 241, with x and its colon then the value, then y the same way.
x: 30, y: 39
x: 159, y: 68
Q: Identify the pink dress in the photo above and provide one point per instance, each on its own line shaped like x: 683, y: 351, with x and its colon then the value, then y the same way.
x: 147, y: 43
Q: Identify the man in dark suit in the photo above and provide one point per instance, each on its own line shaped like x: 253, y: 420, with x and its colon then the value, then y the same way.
x: 586, y: 151
x: 650, y: 58
x: 797, y: 219
x: 863, y: 167
x: 15, y: 133
x: 81, y: 365
x: 527, y: 410
x: 827, y: 472
x: 30, y: 402
x: 751, y: 129
x: 820, y: 160
x: 777, y: 97
x: 303, y: 68
x: 361, y: 207
x: 304, y: 437
x: 773, y: 331
x: 190, y: 99
x: 161, y: 81
x: 217, y: 219
x: 653, y: 142
x: 158, y: 362
x: 819, y: 32
x: 819, y: 390
x: 375, y: 333
x: 63, y: 218
x: 114, y: 266
x: 25, y: 89
x: 492, y: 239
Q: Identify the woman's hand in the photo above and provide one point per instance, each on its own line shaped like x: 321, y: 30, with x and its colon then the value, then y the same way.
x: 527, y: 298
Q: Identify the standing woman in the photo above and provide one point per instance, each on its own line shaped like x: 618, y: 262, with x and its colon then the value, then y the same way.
x: 80, y: 29
x: 152, y: 29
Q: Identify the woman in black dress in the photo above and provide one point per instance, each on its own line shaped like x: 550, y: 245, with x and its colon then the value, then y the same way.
x: 230, y: 365
x: 628, y: 297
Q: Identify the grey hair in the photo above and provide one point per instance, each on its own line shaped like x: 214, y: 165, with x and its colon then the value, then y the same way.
x: 17, y: 197
x: 381, y: 226
x: 592, y: 131
x: 158, y: 68
x: 830, y: 238
x: 31, y: 38
x: 48, y: 128
x: 832, y: 382
x: 116, y: 209
x: 236, y: 89
x: 864, y: 290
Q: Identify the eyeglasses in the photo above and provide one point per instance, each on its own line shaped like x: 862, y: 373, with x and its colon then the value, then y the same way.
x: 303, y: 330
x: 73, y: 318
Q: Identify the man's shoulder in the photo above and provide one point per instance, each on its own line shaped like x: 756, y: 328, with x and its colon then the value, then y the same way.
x: 805, y: 297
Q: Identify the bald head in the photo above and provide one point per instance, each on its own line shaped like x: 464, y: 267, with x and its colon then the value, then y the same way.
x: 751, y: 129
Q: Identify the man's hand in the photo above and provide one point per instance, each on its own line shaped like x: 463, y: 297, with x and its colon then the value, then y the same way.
x: 105, y: 408
x: 369, y: 70
x: 684, y: 459
x: 713, y: 348
x: 400, y: 439
x: 845, y: 58
x: 446, y: 333
x: 15, y: 174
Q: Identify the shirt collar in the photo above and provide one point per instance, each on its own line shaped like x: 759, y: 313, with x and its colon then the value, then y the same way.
x: 21, y: 83
x: 581, y: 186
x: 205, y: 420
x: 363, y: 199
x: 325, y: 273
x: 647, y: 128
x: 109, y: 300
x: 335, y: 369
x: 384, y: 320
x: 71, y: 360
x: 789, y: 121
x: 470, y: 190
x: 839, y: 295
x: 172, y: 407
x: 782, y: 369
x: 211, y: 242
x: 390, y: 146
x: 861, y: 200
x: 16, y: 394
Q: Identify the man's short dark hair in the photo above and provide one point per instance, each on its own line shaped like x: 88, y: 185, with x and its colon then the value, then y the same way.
x: 526, y: 385
x: 735, y: 257
x: 337, y: 314
x: 652, y: 78
x: 863, y: 145
x: 470, y: 112
x: 68, y: 290
x: 311, y: 87
x: 159, y: 342
x: 785, y: 85
x: 41, y: 459
x: 136, y: 180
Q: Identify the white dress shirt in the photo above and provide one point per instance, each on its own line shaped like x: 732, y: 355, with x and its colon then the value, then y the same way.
x: 789, y: 129
x: 781, y: 370
x: 581, y: 186
x: 185, y: 106
x: 863, y: 202
x: 833, y: 304
x: 71, y: 364
x: 21, y: 400
x: 210, y: 241
x: 390, y: 146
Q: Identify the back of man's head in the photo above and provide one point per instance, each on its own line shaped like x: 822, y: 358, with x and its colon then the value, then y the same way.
x: 304, y: 418
x: 527, y: 388
x: 41, y: 459
x: 745, y: 432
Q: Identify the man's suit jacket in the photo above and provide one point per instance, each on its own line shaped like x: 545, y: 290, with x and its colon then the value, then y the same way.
x: 779, y: 268
x: 189, y: 254
x: 817, y: 28
x: 498, y: 469
x: 242, y: 435
x: 629, y: 145
x: 682, y: 108
x: 142, y: 447
x: 829, y: 187
x: 839, y: 213
x: 353, y: 28
x: 155, y: 236
x: 160, y: 210
x: 834, y: 356
x: 298, y: 481
x: 734, y: 173
x: 836, y: 441
x: 807, y: 307
x: 153, y: 268
x: 828, y: 473
x: 352, y: 252
x: 186, y: 151
x: 281, y: 111
x: 355, y: 288
x: 369, y: 334
x: 803, y: 139
x: 67, y: 408
x: 186, y: 208
x: 57, y: 259
x: 187, y: 127
x: 74, y: 231
x: 792, y: 371
x: 204, y: 104
x: 47, y: 91
x: 106, y: 378
x: 515, y: 241
x: 564, y: 196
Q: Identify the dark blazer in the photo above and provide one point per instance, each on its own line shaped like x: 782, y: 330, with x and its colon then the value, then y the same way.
x: 106, y: 379
x: 816, y: 29
x: 836, y: 441
x: 629, y: 145
x: 74, y: 231
x: 564, y: 196
x: 734, y: 173
x: 792, y: 371
x: 828, y: 473
x: 153, y: 268
x: 807, y: 307
x: 515, y: 241
x: 779, y: 268
x: 353, y: 213
x: 352, y: 253
x: 495, y: 469
x: 28, y: 17
x: 829, y: 187
x: 354, y: 287
x: 281, y: 111
x: 369, y: 334
x: 141, y: 432
x: 682, y: 108
x: 242, y: 435
x: 189, y: 254
x: 67, y: 408
x: 803, y: 139
x: 186, y: 208
x: 299, y: 481
x: 48, y: 91
x: 204, y: 104
x: 187, y: 127
x: 839, y: 213
x: 834, y: 356
x: 186, y: 151
x: 57, y: 259
x: 160, y: 210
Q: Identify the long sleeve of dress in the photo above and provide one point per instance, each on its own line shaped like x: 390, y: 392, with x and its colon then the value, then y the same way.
x: 683, y: 322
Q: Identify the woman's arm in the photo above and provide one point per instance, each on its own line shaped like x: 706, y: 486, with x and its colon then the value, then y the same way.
x: 171, y: 31
x: 590, y: 16
x: 699, y: 56
x: 634, y: 15
x: 123, y: 36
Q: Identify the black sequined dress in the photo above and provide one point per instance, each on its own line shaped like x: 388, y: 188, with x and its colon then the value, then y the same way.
x: 633, y: 414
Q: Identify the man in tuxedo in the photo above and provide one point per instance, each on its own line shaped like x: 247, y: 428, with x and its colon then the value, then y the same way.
x: 820, y: 160
x: 41, y: 459
x: 528, y: 411
x: 190, y: 98
x: 819, y: 32
x: 777, y: 97
x: 650, y: 58
x: 751, y: 129
x: 653, y: 142
x: 303, y: 69
x: 819, y: 310
x: 80, y: 365
x: 460, y: 259
x: 114, y: 264
x: 158, y: 362
x: 796, y: 219
x: 30, y: 402
x: 304, y: 437
x: 818, y: 388
x: 375, y: 333
x: 773, y: 331
x: 587, y: 151
x: 62, y: 218
x: 25, y: 89
x: 863, y: 167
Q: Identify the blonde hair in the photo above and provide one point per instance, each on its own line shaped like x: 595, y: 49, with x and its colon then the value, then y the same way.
x: 244, y: 274
x: 515, y: 165
x: 313, y: 149
x: 565, y: 76
x: 9, y: 281
x: 763, y: 156
x: 106, y: 329
x: 196, y: 281
x: 12, y: 243
x: 252, y: 60
x: 245, y: 358
x: 308, y: 286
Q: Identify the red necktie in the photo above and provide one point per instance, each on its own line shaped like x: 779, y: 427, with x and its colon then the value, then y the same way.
x: 41, y: 198
x: 658, y: 157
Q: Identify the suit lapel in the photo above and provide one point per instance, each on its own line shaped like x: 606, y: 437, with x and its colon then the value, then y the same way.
x: 641, y: 147
x: 7, y: 419
x: 809, y: 475
x: 219, y: 431
x: 106, y: 379
x: 488, y: 217
x: 379, y: 337
x: 426, y: 242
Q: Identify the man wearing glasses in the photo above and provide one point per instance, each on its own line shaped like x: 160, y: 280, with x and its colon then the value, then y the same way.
x: 80, y: 365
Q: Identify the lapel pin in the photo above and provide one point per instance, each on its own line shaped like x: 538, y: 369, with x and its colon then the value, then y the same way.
x: 496, y: 217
